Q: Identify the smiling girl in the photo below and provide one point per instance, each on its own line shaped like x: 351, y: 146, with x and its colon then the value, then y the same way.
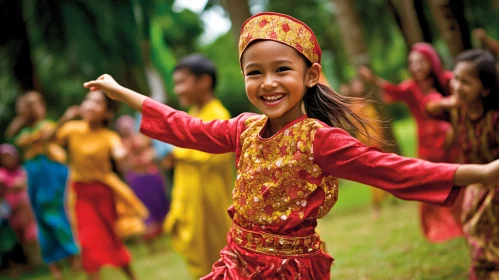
x: 474, y: 109
x: 288, y: 162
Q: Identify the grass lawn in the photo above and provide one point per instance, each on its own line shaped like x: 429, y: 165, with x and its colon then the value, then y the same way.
x: 390, y: 247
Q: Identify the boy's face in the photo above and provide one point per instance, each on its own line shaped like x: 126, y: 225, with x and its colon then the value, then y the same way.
x: 186, y: 87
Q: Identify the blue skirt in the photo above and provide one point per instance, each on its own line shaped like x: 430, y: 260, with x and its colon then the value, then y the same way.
x: 47, y: 182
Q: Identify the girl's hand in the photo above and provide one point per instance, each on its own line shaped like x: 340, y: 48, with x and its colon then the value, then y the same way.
x: 108, y: 85
x: 71, y: 113
x: 450, y: 102
x: 367, y: 74
x: 479, y: 34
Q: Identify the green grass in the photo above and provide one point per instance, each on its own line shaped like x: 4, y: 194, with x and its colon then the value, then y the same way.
x: 390, y: 247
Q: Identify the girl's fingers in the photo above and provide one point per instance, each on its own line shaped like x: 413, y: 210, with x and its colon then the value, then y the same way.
x: 92, y: 84
x: 103, y: 77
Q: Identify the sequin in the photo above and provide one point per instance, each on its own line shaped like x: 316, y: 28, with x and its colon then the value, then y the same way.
x: 273, y: 184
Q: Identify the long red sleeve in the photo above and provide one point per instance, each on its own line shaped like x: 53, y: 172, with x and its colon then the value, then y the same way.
x: 179, y: 129
x: 393, y: 93
x: 340, y: 155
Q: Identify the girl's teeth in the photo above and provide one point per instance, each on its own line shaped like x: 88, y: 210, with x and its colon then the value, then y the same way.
x: 271, y: 98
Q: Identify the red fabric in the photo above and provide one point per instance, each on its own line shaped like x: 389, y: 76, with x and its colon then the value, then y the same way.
x: 96, y: 216
x: 335, y: 152
x: 338, y: 154
x: 238, y: 263
x: 438, y: 224
x: 432, y: 134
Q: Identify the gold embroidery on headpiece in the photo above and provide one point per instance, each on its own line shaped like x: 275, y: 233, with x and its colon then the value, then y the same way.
x: 280, y: 28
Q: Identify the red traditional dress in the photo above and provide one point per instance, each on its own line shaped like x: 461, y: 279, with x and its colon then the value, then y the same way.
x: 288, y: 181
x: 102, y: 199
x: 479, y: 141
x: 434, y: 144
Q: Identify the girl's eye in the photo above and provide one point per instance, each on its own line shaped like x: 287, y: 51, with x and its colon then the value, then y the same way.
x: 282, y: 69
x: 252, y: 73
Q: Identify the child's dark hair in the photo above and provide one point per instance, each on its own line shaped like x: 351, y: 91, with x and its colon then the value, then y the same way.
x: 439, y: 87
x: 198, y: 65
x: 486, y: 70
x: 323, y: 103
x: 111, y: 106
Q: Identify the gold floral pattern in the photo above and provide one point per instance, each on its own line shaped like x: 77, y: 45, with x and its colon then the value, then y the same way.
x: 277, y: 176
x: 479, y: 140
x: 274, y: 244
x: 281, y: 28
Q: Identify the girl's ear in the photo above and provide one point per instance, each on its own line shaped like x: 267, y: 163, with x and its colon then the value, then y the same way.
x: 313, y: 75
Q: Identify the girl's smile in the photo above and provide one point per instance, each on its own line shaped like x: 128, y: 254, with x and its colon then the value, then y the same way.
x: 272, y: 99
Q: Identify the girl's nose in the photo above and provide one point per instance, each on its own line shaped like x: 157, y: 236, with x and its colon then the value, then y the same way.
x: 268, y: 83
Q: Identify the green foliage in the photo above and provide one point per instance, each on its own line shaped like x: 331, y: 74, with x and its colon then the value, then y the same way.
x: 74, y: 41
x: 230, y: 88
x: 97, y: 37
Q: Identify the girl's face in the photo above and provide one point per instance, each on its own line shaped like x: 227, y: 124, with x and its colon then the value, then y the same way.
x: 276, y: 78
x: 465, y: 84
x: 419, y: 66
x: 185, y: 86
x: 36, y: 105
x: 94, y: 108
x: 8, y: 161
x: 22, y: 108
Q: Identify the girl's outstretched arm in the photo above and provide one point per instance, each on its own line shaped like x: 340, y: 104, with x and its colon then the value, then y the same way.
x: 111, y: 88
x: 340, y: 155
x: 175, y: 127
x: 435, y: 104
x: 15, y: 126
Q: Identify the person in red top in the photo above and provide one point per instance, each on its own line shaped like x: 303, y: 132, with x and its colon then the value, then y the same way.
x: 288, y: 160
x: 435, y: 137
x: 474, y: 108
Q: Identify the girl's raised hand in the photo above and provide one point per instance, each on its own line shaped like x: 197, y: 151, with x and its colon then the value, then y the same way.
x: 479, y: 34
x: 71, y: 113
x: 367, y: 74
x: 107, y: 84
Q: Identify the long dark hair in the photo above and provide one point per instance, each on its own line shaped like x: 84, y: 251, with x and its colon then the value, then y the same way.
x: 439, y: 87
x: 486, y: 70
x: 112, y: 106
x: 323, y: 103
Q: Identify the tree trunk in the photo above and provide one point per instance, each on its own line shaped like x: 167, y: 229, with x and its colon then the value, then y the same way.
x: 410, y: 24
x: 423, y: 23
x: 352, y: 32
x: 239, y: 12
x: 449, y: 16
x: 15, y: 39
x: 353, y: 38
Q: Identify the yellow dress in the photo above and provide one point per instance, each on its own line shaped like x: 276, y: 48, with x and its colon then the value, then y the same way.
x: 202, y: 186
x: 366, y: 110
x: 90, y: 161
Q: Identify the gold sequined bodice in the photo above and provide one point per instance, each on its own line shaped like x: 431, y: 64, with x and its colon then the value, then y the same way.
x: 277, y: 177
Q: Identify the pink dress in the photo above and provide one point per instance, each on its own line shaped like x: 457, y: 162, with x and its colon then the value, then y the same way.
x: 21, y: 220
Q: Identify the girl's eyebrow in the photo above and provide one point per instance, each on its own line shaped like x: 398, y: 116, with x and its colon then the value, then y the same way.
x: 279, y: 61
